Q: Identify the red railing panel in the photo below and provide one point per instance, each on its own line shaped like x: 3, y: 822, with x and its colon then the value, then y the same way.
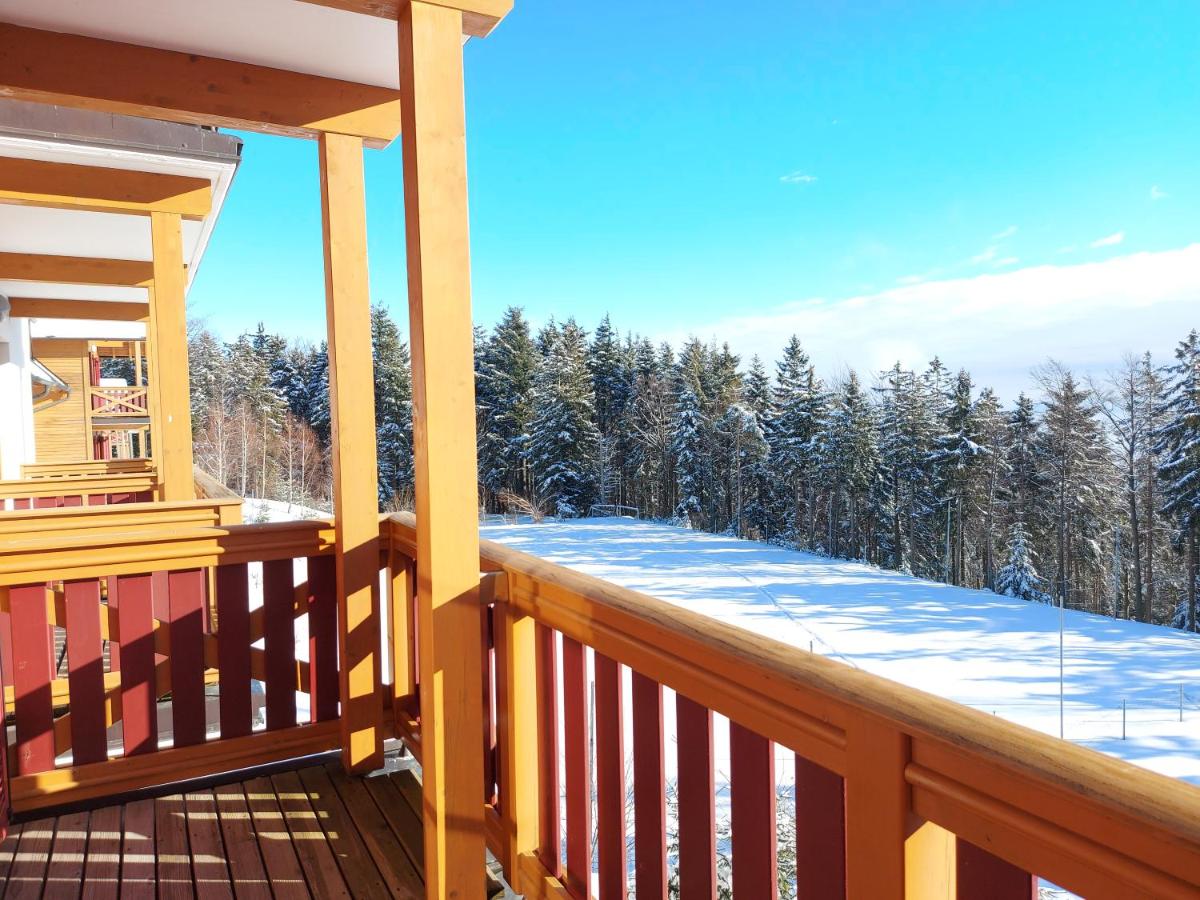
x: 578, y: 768
x: 610, y: 778
x: 32, y: 670
x: 279, y: 642
x: 85, y: 661
x: 649, y: 790
x: 139, y: 709
x: 697, y: 800
x: 186, y: 599
x: 752, y: 814
x: 982, y: 876
x: 233, y: 649
x: 322, y: 638
x: 549, y: 822
x: 820, y: 832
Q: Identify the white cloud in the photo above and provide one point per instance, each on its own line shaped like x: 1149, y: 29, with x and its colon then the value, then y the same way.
x: 987, y: 255
x: 1006, y: 262
x: 798, y: 178
x: 1005, y: 234
x: 999, y: 324
x: 1109, y: 240
x: 1157, y: 193
x: 1070, y: 248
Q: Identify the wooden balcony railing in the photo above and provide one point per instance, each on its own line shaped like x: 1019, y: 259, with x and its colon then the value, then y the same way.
x: 87, y: 468
x: 896, y: 790
x: 117, y: 402
x: 83, y: 489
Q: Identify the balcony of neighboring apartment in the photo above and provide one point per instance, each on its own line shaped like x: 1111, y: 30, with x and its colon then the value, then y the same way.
x: 366, y: 705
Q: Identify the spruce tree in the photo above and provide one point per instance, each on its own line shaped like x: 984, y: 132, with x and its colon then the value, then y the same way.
x: 393, y: 407
x: 1018, y: 577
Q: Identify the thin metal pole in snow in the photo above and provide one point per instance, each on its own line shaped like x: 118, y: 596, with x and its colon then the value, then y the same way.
x: 1122, y: 718
x: 1181, y: 701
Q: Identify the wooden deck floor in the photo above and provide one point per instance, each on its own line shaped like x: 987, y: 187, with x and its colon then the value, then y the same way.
x: 312, y: 832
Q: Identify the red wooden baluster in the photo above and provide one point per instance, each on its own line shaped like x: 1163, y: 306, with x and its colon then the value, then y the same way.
x: 32, y: 671
x: 487, y: 667
x: 139, y: 709
x: 820, y: 832
x: 752, y: 814
x: 610, y: 778
x: 186, y: 600
x: 697, y: 800
x: 982, y: 876
x: 5, y: 794
x: 22, y: 503
x: 47, y: 502
x: 578, y: 768
x: 6, y: 648
x: 649, y: 790
x: 85, y: 661
x: 549, y: 814
x: 97, y: 499
x: 322, y: 638
x: 73, y: 501
x: 279, y: 634
x: 114, y: 642
x: 233, y: 649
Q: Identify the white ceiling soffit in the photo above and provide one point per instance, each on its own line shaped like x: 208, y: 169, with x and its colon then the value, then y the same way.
x: 81, y: 329
x: 282, y: 34
x: 40, y: 291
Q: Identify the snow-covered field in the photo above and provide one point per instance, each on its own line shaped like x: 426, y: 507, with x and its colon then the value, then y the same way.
x: 991, y: 652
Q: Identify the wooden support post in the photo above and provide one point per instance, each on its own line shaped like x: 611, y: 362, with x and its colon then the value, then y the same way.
x: 355, y: 482
x: 433, y: 132
x: 168, y: 329
x: 878, y: 803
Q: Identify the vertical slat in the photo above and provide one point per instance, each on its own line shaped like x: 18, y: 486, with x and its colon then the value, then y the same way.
x: 982, y: 876
x: 233, y: 649
x: 488, y: 644
x: 877, y: 810
x: 820, y: 832
x: 610, y: 778
x: 649, y: 790
x: 5, y: 793
x: 697, y: 803
x: 186, y: 599
x: 549, y: 780
x: 404, y: 660
x: 322, y: 638
x: 752, y: 814
x: 139, y: 711
x: 578, y: 767
x: 280, y: 643
x: 114, y: 615
x: 89, y: 739
x: 32, y: 666
x: 6, y: 647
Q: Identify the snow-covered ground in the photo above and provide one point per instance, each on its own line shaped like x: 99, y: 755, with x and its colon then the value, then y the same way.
x: 991, y: 652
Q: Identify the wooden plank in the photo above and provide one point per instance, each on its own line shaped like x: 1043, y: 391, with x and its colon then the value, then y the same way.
x: 8, y: 852
x: 137, y: 851
x: 233, y: 649
x: 102, y: 868
x: 28, y: 872
x: 322, y: 638
x: 610, y: 778
x: 32, y: 665
x: 486, y: 697
x: 89, y: 733
x: 186, y: 594
x: 168, y: 335
x: 649, y: 789
x: 279, y: 643
x: 982, y: 876
x: 91, y: 73
x: 400, y: 876
x: 89, y: 270
x: 438, y: 266
x: 549, y: 777
x: 284, y: 872
x: 90, y: 310
x: 404, y: 821
x: 820, y: 832
x: 316, y: 856
x: 877, y: 810
x: 352, y: 855
x: 171, y: 851
x: 355, y: 488
x: 752, y: 814
x: 35, y: 182
x: 139, y: 707
x: 578, y: 767
x: 64, y: 872
x: 403, y: 629
x: 479, y: 17
x: 210, y: 872
x: 241, y: 848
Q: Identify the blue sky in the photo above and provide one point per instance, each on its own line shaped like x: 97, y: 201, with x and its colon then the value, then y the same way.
x: 880, y: 178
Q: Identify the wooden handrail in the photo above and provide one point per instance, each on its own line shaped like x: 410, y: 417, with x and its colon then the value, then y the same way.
x: 80, y: 485
x: 71, y: 520
x: 208, y: 488
x: 83, y: 468
x: 1092, y: 823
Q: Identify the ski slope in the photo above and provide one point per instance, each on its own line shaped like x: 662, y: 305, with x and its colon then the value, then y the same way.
x: 994, y: 653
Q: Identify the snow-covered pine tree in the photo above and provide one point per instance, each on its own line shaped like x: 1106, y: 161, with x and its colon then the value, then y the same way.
x: 757, y: 497
x: 317, y: 390
x: 687, y: 446
x: 1177, y: 442
x: 393, y: 408
x: 563, y: 436
x: 505, y: 366
x: 651, y: 422
x: 800, y: 405
x: 1018, y: 577
x: 957, y: 460
x: 848, y: 457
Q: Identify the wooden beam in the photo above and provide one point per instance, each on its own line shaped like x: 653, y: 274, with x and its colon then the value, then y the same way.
x: 92, y: 310
x: 168, y: 329
x: 355, y: 484
x: 439, y: 304
x: 33, y: 182
x: 91, y: 73
x: 75, y: 270
x: 479, y: 17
